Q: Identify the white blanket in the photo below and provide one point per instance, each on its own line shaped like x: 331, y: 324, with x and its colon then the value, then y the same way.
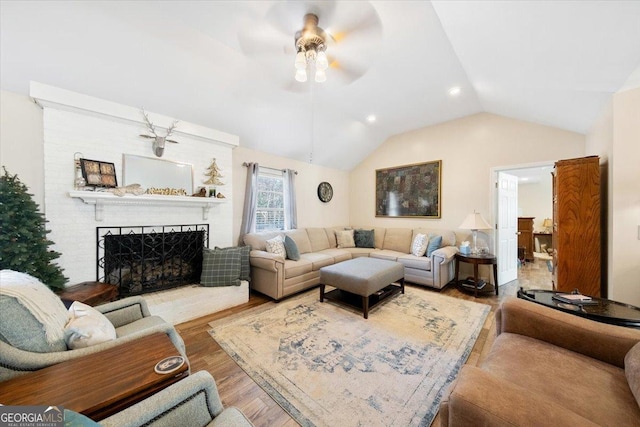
x: 36, y: 297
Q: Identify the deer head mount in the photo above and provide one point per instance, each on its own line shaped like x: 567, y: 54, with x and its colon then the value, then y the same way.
x: 158, y: 141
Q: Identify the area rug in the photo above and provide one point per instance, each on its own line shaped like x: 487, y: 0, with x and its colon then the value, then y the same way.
x: 326, y: 365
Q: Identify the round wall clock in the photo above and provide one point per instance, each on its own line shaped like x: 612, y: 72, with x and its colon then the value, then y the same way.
x: 325, y: 192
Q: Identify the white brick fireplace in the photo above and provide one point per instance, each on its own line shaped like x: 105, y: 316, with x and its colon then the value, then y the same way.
x: 104, y: 131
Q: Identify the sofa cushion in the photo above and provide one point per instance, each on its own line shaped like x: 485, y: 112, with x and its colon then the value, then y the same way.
x: 32, y: 317
x: 87, y: 327
x: 358, y: 252
x: 258, y: 241
x: 594, y: 389
x: 291, y: 249
x: 632, y: 370
x: 276, y: 246
x: 419, y: 244
x: 318, y: 260
x: 297, y: 268
x: 364, y: 238
x: 435, y: 242
x: 221, y: 268
x: 386, y: 254
x: 344, y: 238
x: 398, y: 239
x: 448, y: 236
x: 245, y: 259
x: 417, y: 262
x: 301, y: 238
x: 338, y: 255
x: 318, y: 239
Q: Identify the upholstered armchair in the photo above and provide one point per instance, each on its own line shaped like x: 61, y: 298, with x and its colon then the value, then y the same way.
x: 32, y: 327
x: 193, y: 401
x: 548, y: 367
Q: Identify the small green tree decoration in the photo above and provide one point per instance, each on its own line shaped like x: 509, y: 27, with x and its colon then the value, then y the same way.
x: 23, y: 240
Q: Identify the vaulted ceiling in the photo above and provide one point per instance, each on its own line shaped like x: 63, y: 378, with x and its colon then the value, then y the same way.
x: 229, y: 65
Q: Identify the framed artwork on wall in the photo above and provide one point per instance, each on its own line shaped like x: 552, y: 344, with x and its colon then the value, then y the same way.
x: 410, y: 191
x: 98, y: 174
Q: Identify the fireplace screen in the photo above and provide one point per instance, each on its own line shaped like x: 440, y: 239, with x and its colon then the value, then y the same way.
x: 150, y: 258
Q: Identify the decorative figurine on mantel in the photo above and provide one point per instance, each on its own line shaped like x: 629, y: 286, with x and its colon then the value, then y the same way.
x: 213, y: 172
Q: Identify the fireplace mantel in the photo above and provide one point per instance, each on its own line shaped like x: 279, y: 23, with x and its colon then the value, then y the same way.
x: 100, y: 199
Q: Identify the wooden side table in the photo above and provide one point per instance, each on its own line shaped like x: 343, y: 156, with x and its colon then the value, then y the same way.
x: 90, y: 293
x: 477, y: 260
x: 100, y: 384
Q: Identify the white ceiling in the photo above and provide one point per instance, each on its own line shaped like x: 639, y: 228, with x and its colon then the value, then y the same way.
x: 229, y: 65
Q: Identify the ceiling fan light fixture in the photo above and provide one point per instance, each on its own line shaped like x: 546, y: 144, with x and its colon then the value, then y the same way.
x: 322, y: 63
x: 301, y: 61
x: 310, y: 45
x: 301, y: 75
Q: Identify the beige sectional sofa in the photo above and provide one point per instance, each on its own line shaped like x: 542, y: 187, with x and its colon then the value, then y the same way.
x: 277, y: 277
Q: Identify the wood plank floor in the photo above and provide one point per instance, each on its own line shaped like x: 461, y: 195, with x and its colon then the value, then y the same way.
x: 236, y: 388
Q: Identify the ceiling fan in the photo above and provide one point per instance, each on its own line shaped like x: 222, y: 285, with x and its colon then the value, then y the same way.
x: 289, y: 36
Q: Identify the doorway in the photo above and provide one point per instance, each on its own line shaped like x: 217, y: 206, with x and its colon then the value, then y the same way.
x: 534, y: 200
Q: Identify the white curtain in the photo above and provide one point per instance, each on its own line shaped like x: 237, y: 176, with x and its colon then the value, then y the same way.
x: 250, y: 202
x: 290, y: 211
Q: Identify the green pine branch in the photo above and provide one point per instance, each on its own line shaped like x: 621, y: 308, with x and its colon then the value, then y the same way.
x: 24, y: 245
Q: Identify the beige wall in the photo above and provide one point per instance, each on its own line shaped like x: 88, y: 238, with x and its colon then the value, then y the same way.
x: 536, y: 200
x: 21, y: 141
x: 469, y: 148
x: 311, y: 211
x: 614, y: 137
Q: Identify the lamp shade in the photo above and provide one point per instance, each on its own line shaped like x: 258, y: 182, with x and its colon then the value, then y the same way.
x: 547, y: 223
x: 475, y: 221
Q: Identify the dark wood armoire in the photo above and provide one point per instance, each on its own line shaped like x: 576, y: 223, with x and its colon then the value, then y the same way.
x: 577, y: 226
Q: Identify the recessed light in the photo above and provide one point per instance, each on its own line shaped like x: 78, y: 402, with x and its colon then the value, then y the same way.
x: 371, y: 118
x: 524, y: 179
x: 454, y: 91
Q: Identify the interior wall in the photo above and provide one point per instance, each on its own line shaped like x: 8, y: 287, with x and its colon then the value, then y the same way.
x: 468, y: 147
x: 535, y: 199
x: 311, y: 211
x: 21, y: 142
x: 625, y: 198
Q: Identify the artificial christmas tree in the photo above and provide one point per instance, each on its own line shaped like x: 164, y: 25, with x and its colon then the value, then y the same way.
x: 23, y: 240
x: 213, y: 172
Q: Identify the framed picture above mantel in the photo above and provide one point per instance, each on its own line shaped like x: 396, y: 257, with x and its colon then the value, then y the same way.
x: 410, y: 191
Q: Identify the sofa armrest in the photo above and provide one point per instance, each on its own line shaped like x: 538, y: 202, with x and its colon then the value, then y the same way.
x: 125, y: 311
x: 477, y: 398
x: 443, y: 255
x: 191, y: 401
x: 608, y: 343
x: 265, y: 260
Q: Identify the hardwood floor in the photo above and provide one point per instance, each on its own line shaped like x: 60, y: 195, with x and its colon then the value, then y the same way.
x: 236, y: 388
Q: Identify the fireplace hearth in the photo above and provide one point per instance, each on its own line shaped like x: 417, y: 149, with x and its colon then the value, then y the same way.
x: 146, y: 259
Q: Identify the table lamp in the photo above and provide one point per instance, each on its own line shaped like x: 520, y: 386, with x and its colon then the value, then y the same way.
x: 474, y: 222
x: 547, y: 224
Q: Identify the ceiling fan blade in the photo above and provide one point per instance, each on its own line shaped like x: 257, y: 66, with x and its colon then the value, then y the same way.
x: 263, y: 40
x: 354, y: 19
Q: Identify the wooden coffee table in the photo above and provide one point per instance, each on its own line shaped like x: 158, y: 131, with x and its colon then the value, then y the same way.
x: 100, y: 384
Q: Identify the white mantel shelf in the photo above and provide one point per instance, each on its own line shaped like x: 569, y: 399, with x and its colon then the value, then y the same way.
x: 100, y: 199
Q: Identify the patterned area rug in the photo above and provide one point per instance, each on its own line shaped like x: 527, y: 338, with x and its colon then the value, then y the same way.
x: 326, y: 365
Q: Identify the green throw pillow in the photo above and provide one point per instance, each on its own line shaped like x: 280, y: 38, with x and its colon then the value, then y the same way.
x: 434, y: 243
x: 245, y: 265
x: 364, y: 238
x: 220, y: 268
x: 291, y: 248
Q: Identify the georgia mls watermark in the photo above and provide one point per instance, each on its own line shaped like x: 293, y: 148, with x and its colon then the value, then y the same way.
x: 31, y: 416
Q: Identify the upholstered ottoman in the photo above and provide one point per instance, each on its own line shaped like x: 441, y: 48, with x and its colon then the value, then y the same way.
x: 371, y: 279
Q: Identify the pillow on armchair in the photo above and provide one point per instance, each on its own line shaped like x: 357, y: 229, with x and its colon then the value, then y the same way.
x: 32, y: 317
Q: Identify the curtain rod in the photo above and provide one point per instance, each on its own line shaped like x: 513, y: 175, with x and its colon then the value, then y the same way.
x: 245, y: 164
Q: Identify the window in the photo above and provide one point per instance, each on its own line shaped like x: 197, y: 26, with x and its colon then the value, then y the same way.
x: 270, y: 208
